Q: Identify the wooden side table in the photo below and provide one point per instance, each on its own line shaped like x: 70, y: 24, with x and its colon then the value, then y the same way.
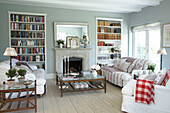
x: 9, y: 101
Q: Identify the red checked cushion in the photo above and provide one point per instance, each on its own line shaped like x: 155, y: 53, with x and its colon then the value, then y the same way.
x: 167, y: 76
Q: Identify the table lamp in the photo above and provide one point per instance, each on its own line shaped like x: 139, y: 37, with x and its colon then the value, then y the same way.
x: 161, y: 52
x: 10, y: 52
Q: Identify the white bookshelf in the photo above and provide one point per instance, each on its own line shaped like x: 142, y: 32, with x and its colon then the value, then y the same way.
x: 108, y: 35
x: 27, y: 34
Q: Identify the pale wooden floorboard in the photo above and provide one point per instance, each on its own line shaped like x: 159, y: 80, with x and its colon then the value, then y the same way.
x: 78, y: 102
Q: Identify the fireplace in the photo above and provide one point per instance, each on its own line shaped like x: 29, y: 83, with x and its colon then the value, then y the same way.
x: 61, y: 53
x: 72, y: 65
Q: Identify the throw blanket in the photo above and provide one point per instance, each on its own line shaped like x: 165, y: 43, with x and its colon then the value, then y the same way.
x: 144, y: 91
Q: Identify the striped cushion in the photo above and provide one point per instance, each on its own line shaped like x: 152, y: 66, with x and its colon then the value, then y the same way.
x: 167, y: 77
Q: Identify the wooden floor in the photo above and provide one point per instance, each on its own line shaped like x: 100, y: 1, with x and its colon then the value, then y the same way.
x: 79, y: 102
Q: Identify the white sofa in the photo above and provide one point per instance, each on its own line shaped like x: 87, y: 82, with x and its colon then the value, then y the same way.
x: 33, y: 73
x: 120, y: 77
x: 162, y: 99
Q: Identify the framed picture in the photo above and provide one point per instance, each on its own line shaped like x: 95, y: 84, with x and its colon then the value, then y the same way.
x: 73, y: 42
x: 166, y: 36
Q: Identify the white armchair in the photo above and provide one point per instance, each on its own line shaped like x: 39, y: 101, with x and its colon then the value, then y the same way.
x: 162, y: 99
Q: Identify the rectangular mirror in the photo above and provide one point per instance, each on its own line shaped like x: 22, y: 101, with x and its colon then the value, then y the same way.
x: 63, y: 30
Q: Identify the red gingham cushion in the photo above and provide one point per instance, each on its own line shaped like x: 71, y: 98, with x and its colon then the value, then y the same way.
x: 166, y: 78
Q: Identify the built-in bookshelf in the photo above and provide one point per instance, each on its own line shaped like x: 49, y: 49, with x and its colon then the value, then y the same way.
x: 27, y: 34
x: 108, y: 36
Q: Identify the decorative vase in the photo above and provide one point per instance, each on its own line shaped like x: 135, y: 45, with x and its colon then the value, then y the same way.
x: 61, y: 45
x: 10, y: 82
x: 94, y: 73
x: 21, y: 79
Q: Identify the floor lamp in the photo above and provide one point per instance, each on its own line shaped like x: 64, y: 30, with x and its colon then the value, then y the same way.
x: 161, y: 52
x: 10, y: 52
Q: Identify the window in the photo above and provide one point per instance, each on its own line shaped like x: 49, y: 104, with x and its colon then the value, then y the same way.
x: 146, y: 42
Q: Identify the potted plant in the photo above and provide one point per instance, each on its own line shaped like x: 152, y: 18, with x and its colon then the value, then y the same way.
x: 21, y: 73
x: 112, y: 50
x: 10, y: 74
x: 151, y: 67
x: 60, y: 42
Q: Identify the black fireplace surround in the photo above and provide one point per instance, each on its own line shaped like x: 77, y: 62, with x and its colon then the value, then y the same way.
x: 73, y: 65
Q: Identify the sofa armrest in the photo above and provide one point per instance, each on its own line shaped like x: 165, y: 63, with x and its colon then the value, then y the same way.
x: 146, y: 72
x: 39, y: 73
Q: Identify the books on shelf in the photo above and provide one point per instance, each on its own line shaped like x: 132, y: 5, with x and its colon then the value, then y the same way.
x: 109, y: 36
x: 27, y: 35
x: 23, y: 34
x: 108, y: 23
x: 20, y: 26
x: 39, y: 50
x: 15, y: 42
x: 22, y: 18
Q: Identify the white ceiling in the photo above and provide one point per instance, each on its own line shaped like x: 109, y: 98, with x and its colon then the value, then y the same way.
x: 119, y: 6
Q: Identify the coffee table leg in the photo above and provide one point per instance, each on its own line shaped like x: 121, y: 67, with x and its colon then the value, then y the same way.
x: 61, y: 87
x: 105, y: 84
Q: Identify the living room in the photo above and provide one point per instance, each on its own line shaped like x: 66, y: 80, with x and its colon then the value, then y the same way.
x: 141, y: 30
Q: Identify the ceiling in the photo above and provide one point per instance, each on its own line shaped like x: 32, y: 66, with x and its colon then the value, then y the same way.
x: 119, y: 6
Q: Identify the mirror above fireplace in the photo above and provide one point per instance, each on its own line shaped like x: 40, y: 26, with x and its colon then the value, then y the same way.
x: 62, y: 30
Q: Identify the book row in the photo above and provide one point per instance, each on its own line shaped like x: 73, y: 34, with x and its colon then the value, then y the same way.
x: 27, y: 42
x: 102, y: 43
x: 36, y: 58
x: 21, y: 18
x: 30, y: 50
x: 107, y: 23
x: 108, y: 30
x: 23, y: 34
x: 19, y: 26
x: 109, y: 36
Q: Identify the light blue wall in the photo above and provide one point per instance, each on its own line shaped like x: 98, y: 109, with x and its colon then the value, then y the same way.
x: 153, y: 14
x: 59, y: 15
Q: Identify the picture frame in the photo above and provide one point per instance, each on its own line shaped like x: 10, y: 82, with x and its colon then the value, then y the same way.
x: 73, y: 42
x: 166, y: 36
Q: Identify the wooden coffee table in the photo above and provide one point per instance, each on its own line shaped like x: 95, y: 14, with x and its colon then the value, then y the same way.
x: 6, y: 102
x: 68, y: 87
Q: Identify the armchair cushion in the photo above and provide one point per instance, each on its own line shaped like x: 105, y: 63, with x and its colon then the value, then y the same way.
x: 160, y: 76
x: 125, y: 66
x: 167, y: 77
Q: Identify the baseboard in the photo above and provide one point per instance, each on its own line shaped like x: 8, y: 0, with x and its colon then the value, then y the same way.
x: 51, y: 76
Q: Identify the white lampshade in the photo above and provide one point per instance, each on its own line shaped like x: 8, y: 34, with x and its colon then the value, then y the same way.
x: 162, y: 51
x: 10, y: 52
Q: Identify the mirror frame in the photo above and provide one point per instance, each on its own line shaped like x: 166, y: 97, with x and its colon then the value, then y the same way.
x: 69, y: 23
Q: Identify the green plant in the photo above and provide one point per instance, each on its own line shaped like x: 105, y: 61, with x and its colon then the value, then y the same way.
x: 60, y: 42
x: 151, y: 67
x: 21, y: 72
x: 113, y: 49
x: 11, y: 73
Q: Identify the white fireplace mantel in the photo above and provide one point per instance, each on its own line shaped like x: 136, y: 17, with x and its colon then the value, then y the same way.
x: 83, y: 53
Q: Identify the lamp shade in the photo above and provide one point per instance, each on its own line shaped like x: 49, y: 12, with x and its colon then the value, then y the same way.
x: 10, y: 52
x: 162, y: 51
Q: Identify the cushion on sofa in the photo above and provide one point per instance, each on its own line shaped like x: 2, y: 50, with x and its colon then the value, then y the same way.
x: 151, y: 76
x: 125, y: 66
x: 131, y: 67
x: 117, y: 62
x: 167, y: 77
x: 139, y: 63
x: 160, y: 76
